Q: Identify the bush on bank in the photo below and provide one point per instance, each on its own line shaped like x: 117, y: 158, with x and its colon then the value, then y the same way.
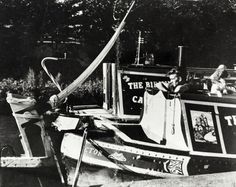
x: 89, y: 93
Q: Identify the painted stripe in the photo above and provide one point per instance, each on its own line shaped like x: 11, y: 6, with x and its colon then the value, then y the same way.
x: 186, y: 125
x: 143, y: 152
x: 219, y: 130
x: 209, y: 103
x: 142, y: 73
x: 208, y: 154
x: 121, y: 107
x: 108, y: 164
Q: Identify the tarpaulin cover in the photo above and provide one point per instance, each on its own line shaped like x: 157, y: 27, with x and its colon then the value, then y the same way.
x: 162, y: 120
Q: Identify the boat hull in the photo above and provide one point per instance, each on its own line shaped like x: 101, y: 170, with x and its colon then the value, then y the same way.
x: 143, y: 161
x: 124, y: 157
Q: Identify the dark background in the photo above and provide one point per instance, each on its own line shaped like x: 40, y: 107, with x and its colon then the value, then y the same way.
x: 31, y: 30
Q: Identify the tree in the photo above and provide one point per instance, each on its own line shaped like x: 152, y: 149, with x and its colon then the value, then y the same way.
x: 205, y: 27
x: 22, y: 24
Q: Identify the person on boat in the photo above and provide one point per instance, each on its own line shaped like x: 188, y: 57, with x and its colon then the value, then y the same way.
x: 177, y: 83
x: 149, y: 59
x: 218, y: 81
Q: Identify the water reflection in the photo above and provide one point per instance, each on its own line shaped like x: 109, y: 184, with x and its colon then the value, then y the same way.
x: 93, y: 175
x: 27, y: 178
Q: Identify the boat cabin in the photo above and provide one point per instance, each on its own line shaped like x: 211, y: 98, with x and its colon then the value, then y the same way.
x: 187, y: 133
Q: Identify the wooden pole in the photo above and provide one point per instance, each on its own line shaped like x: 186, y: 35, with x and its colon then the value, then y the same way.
x: 163, y: 141
x: 76, y: 178
x: 114, y: 87
x: 106, y: 86
x: 63, y: 181
x: 180, y: 55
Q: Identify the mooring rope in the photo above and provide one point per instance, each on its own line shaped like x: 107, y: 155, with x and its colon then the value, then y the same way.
x: 106, y: 154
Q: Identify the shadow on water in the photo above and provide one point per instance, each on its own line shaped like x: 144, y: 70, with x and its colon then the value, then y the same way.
x: 9, y: 134
x: 13, y: 177
x: 95, y: 176
x: 89, y: 176
x: 24, y: 178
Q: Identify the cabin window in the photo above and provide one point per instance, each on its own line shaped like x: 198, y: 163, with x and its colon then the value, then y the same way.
x: 203, y: 128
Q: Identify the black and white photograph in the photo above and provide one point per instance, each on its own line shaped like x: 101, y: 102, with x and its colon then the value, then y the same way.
x: 111, y: 93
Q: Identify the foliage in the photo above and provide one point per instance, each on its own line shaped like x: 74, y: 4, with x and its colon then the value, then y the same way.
x: 90, y: 87
x: 206, y: 28
x: 10, y: 85
x: 90, y: 92
x: 27, y: 85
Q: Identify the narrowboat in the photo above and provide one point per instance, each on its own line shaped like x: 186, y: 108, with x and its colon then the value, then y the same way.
x: 139, y: 128
x: 184, y: 134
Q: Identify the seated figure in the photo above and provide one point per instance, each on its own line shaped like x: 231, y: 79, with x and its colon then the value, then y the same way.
x: 149, y: 60
x: 218, y: 81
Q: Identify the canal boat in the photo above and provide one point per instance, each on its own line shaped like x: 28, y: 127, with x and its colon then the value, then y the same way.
x: 38, y: 147
x: 184, y: 134
x: 140, y: 128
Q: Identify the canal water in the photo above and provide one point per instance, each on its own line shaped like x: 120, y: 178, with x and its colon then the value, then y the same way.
x: 89, y: 176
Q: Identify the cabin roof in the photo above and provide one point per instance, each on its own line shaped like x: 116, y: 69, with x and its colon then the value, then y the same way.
x: 230, y: 98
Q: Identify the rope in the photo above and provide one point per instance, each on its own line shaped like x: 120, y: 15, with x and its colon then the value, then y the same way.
x: 63, y: 180
x: 106, y: 154
x: 76, y: 177
x: 173, y: 119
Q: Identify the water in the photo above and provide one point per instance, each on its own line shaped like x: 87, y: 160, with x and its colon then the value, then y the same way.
x: 9, y: 135
x: 89, y: 176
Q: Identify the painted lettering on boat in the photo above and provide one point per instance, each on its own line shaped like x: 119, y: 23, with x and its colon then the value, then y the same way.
x: 151, y: 84
x: 137, y: 99
x: 142, y: 85
x: 231, y: 120
x: 135, y: 85
x: 93, y: 151
x: 132, y: 87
